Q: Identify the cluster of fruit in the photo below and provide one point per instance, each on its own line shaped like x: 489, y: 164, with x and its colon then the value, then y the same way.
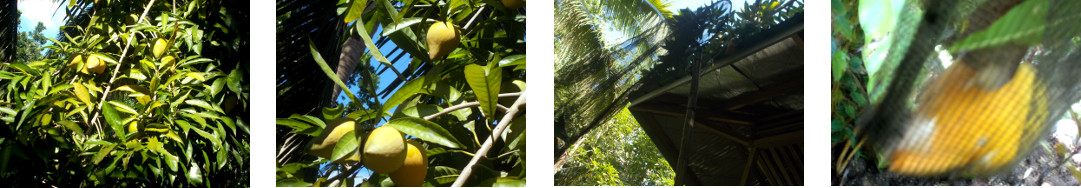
x: 385, y: 150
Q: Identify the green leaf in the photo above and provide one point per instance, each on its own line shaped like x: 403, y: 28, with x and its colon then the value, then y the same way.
x: 71, y: 126
x: 104, y: 151
x: 513, y: 60
x: 333, y: 113
x: 374, y: 50
x: 195, y: 174
x: 419, y: 111
x: 203, y: 104
x: 1022, y: 25
x: 356, y: 8
x: 407, y: 90
x: 347, y: 146
x: 113, y: 118
x: 330, y: 73
x: 123, y: 108
x: 404, y: 23
x: 298, y: 125
x: 82, y: 94
x: 133, y: 89
x: 292, y: 182
x: 485, y: 82
x: 425, y: 130
x: 362, y: 115
x: 310, y: 119
x: 233, y: 81
x: 503, y: 182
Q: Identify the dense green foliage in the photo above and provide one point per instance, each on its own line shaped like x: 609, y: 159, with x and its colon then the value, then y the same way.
x: 144, y: 121
x: 29, y: 43
x: 618, y: 153
x: 466, y: 107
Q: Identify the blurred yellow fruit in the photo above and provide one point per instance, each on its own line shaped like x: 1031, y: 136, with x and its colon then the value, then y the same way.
x: 415, y: 167
x: 384, y: 150
x: 442, y: 39
x: 970, y: 130
x: 95, y: 65
x: 160, y: 47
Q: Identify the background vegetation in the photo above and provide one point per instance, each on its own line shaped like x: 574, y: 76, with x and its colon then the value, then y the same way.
x: 144, y: 121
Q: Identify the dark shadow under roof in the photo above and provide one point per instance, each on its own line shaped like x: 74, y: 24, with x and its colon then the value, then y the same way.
x: 749, y: 114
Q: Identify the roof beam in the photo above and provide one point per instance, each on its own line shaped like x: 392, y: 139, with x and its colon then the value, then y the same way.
x: 794, y: 84
x: 676, y: 111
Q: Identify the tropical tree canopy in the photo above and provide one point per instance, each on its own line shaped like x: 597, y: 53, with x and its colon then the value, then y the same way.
x: 137, y: 93
x: 372, y: 65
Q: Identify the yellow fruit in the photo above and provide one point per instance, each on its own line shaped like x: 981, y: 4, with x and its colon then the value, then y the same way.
x: 513, y: 4
x: 167, y: 61
x: 970, y: 130
x: 95, y: 65
x: 323, y: 145
x: 160, y: 47
x: 384, y: 151
x: 442, y: 39
x: 75, y: 62
x: 413, y: 170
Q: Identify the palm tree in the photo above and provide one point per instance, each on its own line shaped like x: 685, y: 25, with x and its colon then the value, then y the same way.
x: 593, y: 74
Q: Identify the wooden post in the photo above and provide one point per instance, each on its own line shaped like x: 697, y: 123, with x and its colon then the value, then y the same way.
x: 681, y: 165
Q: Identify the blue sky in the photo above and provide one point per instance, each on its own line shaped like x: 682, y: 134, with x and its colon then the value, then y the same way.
x: 35, y: 11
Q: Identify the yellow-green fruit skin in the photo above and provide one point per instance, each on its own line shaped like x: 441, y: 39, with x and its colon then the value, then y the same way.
x: 513, y: 4
x: 413, y: 170
x: 323, y: 145
x: 384, y: 150
x: 75, y: 62
x: 167, y: 61
x: 93, y: 64
x: 159, y: 47
x: 442, y: 39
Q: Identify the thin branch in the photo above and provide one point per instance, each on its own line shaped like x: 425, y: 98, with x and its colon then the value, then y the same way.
x: 341, y: 176
x: 503, y: 123
x: 116, y: 70
x: 468, y: 105
x: 474, y: 18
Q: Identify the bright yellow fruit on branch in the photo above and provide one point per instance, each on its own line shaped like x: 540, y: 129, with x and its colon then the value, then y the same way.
x: 442, y: 39
x: 415, y: 167
x: 95, y: 65
x: 75, y: 62
x: 384, y: 150
x: 160, y: 47
x: 323, y: 145
x: 513, y: 4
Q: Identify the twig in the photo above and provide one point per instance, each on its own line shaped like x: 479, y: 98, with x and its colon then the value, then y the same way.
x: 123, y: 54
x: 338, y: 178
x: 467, y: 105
x: 474, y: 18
x: 507, y: 118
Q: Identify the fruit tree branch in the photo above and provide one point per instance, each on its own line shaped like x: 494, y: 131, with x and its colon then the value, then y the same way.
x: 507, y: 118
x: 123, y: 54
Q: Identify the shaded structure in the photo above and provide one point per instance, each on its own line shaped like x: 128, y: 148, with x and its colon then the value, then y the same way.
x: 747, y: 112
x: 9, y: 29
